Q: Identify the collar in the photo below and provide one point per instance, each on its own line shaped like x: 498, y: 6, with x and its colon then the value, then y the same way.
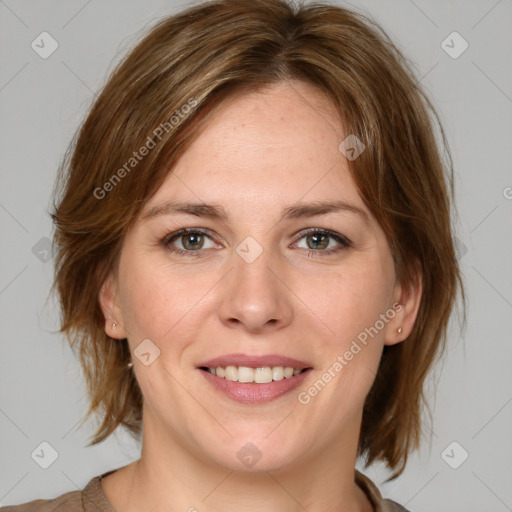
x: 95, y: 500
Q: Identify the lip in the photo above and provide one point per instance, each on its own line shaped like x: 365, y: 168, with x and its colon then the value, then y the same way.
x: 252, y: 393
x: 253, y: 361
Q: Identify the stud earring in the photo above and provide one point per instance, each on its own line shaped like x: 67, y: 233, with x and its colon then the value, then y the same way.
x: 114, y: 325
x: 399, y: 330
x: 129, y: 365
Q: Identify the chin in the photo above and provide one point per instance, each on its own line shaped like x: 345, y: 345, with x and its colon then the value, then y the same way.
x: 255, y: 454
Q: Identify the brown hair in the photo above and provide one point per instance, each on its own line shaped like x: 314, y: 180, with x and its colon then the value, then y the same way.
x: 201, y: 57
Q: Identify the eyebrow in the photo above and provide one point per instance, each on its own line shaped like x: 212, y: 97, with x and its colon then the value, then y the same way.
x: 216, y: 211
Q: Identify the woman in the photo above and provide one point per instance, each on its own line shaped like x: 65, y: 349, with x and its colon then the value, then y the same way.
x: 255, y: 261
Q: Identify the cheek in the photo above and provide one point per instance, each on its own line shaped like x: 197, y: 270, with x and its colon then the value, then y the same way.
x: 142, y: 303
x: 362, y: 298
x: 352, y: 298
x: 157, y: 302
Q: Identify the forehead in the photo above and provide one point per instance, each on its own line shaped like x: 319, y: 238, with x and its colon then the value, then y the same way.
x: 264, y: 149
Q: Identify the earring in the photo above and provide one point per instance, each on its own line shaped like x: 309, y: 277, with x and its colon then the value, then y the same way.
x: 129, y: 365
x: 114, y: 325
x: 399, y: 330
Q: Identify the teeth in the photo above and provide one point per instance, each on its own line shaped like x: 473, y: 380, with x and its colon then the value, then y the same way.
x: 262, y: 375
x: 277, y: 373
x: 245, y: 374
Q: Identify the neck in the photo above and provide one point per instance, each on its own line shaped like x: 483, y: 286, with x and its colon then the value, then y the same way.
x: 170, y: 475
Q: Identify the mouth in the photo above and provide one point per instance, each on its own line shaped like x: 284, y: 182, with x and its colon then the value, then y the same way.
x: 253, y: 380
x: 258, y: 375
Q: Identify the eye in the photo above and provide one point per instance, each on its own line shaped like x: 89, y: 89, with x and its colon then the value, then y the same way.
x: 318, y: 240
x: 191, y: 240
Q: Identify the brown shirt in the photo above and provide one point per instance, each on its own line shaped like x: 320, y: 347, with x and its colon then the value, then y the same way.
x: 93, y: 499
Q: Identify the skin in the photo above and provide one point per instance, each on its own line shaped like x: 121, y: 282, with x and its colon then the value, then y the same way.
x: 262, y: 152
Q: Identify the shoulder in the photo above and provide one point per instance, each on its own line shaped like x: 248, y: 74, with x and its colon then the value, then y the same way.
x: 91, y: 499
x: 70, y: 501
x: 375, y: 497
x: 393, y: 506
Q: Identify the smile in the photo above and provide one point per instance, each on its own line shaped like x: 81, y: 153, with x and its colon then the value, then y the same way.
x: 262, y: 375
x: 254, y: 385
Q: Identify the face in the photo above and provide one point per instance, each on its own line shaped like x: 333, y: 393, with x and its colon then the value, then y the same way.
x: 265, y: 280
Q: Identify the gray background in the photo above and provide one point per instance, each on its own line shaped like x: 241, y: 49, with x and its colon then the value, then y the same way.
x: 42, y: 102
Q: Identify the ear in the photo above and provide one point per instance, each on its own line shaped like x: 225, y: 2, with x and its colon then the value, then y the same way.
x: 114, y: 325
x: 406, y: 303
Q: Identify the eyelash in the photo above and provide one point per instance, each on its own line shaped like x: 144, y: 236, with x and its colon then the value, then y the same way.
x: 343, y: 241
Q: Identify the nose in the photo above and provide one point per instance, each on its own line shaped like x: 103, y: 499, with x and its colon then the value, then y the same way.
x: 255, y: 296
